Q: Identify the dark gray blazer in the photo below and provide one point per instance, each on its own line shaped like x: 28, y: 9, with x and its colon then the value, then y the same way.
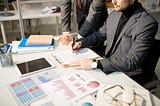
x: 132, y: 45
x: 95, y: 14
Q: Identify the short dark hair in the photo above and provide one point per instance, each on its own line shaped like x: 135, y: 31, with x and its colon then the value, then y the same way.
x: 136, y: 1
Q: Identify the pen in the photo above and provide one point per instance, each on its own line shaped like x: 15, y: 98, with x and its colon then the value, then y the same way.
x: 9, y: 49
x: 74, y: 41
x: 8, y: 46
x: 1, y: 51
x: 74, y: 38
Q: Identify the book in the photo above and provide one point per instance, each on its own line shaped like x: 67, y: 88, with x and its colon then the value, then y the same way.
x: 71, y: 87
x: 39, y: 40
x: 117, y: 95
x: 67, y: 56
x: 23, y: 45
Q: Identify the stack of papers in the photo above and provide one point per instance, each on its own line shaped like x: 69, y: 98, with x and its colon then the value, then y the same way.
x: 34, y: 43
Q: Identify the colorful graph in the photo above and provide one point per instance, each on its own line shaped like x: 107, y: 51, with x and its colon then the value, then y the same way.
x: 26, y: 91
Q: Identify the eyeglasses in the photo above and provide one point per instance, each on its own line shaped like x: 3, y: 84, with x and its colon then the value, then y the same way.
x: 117, y: 95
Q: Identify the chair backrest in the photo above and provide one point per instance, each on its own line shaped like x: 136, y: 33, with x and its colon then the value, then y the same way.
x: 147, y: 73
x: 151, y: 59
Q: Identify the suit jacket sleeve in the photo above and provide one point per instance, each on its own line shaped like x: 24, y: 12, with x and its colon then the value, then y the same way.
x: 95, y: 38
x: 66, y: 14
x: 95, y: 19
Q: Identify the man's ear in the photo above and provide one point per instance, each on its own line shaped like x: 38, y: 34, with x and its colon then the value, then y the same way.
x: 132, y: 1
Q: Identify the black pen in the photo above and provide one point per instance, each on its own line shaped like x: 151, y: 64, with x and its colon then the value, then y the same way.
x: 74, y: 41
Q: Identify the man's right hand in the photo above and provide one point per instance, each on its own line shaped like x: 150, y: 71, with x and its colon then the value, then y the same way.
x: 77, y: 45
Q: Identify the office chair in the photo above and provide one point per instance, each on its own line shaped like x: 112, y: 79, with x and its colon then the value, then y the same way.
x: 147, y: 74
x: 153, y: 87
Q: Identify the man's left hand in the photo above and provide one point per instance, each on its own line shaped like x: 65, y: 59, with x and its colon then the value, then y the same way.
x: 82, y: 63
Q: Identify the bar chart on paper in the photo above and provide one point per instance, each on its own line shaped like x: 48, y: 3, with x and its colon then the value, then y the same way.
x: 60, y: 86
x: 71, y: 87
x: 26, y: 91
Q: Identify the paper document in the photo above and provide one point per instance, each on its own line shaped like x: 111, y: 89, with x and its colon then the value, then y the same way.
x: 25, y: 91
x: 67, y: 56
x: 71, y: 87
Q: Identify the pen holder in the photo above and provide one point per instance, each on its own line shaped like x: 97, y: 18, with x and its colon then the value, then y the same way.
x: 6, y: 59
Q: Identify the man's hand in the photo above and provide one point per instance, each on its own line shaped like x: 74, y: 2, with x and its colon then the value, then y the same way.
x: 82, y: 63
x: 65, y: 39
x: 75, y: 46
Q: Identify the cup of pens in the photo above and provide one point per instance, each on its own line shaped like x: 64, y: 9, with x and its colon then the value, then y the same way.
x: 6, y: 56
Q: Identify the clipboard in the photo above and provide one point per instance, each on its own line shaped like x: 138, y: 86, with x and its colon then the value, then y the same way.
x: 67, y: 56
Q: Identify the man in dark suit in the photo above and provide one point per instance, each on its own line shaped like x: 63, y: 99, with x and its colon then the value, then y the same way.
x: 130, y: 34
x: 91, y: 15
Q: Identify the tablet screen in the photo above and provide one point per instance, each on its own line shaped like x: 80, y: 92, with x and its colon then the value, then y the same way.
x: 33, y: 65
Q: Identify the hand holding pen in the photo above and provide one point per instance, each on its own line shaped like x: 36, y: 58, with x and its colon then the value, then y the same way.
x: 76, y: 45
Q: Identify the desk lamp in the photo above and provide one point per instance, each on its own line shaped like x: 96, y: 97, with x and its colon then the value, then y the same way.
x: 6, y: 13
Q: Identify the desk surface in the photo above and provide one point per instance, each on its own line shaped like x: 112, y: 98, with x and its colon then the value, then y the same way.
x: 9, y: 75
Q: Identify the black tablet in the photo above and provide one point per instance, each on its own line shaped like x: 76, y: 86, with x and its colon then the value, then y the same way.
x: 33, y: 66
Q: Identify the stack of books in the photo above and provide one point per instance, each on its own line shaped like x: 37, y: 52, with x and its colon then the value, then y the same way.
x: 34, y: 43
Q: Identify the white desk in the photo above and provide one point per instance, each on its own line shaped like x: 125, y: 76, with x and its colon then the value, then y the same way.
x: 26, y: 15
x: 8, y: 75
